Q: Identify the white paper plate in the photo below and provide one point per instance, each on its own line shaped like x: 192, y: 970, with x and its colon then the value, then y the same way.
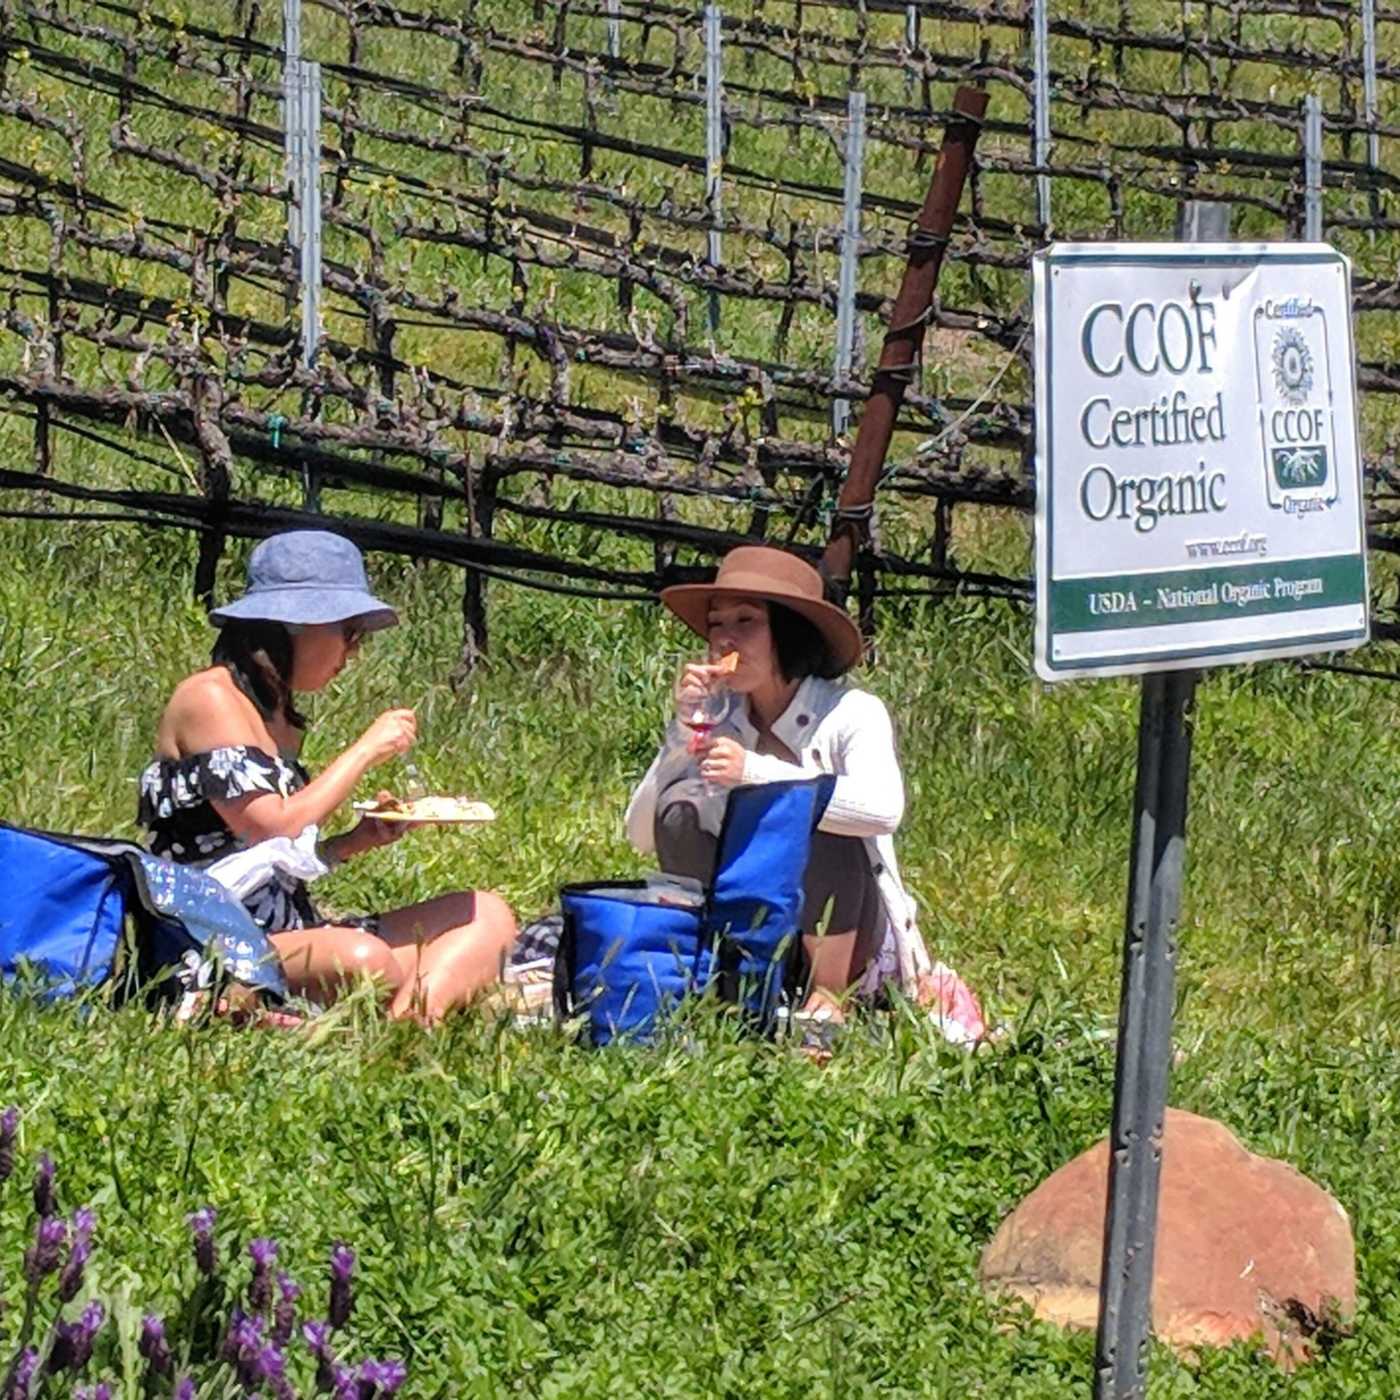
x: 470, y: 814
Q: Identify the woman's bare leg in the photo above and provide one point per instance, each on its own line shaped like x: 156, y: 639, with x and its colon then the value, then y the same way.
x: 841, y: 896
x: 830, y: 959
x: 447, y: 949
x: 321, y: 962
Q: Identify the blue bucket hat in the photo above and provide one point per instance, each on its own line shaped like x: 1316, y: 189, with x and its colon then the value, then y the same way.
x: 307, y: 577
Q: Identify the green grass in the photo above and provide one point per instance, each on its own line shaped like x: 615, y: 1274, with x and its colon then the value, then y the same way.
x: 713, y: 1217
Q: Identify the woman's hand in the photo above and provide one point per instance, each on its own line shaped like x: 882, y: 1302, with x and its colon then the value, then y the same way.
x: 722, y: 762
x: 390, y: 736
x: 368, y: 834
x: 692, y: 686
x: 371, y: 833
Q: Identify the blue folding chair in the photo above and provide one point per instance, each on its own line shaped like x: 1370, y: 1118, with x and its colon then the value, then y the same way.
x: 626, y: 960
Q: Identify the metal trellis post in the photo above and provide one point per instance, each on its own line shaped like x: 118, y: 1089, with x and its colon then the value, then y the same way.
x: 302, y: 88
x: 301, y: 124
x: 1312, y: 168
x: 850, y: 252
x: 614, y: 29
x: 911, y: 39
x: 1041, y: 144
x: 1368, y: 43
x: 291, y: 62
x: 714, y: 142
x: 308, y: 192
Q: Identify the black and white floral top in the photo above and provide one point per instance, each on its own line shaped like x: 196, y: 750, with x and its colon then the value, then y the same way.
x: 176, y: 807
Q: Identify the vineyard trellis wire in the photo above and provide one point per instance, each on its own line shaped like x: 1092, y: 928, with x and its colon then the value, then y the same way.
x: 580, y: 270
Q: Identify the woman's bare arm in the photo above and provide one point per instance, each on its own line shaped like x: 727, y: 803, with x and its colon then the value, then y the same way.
x: 208, y: 714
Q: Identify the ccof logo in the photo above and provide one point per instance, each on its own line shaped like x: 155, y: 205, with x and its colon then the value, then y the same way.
x: 1297, y: 468
x: 1293, y: 366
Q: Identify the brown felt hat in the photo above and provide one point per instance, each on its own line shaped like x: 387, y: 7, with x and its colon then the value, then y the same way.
x: 777, y: 577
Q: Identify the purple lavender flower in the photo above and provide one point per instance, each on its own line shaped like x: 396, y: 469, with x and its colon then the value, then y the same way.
x: 26, y: 1367
x: 270, y: 1367
x: 45, y: 1203
x: 318, y: 1336
x: 70, y: 1281
x: 244, y: 1335
x: 264, y: 1254
x: 42, y: 1257
x: 9, y: 1125
x: 101, y: 1391
x: 284, y: 1316
x: 228, y: 1347
x: 184, y: 1389
x: 201, y: 1225
x: 154, y: 1347
x: 342, y: 1300
x: 381, y: 1378
x: 242, y: 1347
x: 72, y: 1347
x: 318, y: 1340
x: 346, y: 1384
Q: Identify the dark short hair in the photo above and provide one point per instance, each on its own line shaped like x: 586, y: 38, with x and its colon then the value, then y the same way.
x: 801, y: 649
x: 258, y: 655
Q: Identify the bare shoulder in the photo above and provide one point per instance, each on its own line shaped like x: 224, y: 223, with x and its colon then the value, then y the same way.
x: 207, y: 711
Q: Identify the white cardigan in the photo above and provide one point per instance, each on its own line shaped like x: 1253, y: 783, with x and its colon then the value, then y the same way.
x: 831, y: 728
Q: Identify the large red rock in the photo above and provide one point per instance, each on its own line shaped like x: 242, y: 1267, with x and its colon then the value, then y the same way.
x: 1245, y: 1245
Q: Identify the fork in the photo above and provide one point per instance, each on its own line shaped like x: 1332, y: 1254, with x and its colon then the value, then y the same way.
x: 416, y: 787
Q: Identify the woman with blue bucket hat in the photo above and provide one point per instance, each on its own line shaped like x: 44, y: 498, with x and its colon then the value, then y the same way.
x: 226, y: 776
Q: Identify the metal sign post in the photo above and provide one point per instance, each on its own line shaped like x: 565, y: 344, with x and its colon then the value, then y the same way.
x: 1198, y: 502
x: 1156, y: 868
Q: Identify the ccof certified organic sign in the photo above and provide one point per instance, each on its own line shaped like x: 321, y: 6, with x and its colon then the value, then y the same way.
x: 1198, y: 479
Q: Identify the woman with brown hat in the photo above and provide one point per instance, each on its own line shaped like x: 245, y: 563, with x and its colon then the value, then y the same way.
x: 790, y: 716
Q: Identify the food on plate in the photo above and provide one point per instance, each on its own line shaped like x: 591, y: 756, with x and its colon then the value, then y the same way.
x: 427, y: 809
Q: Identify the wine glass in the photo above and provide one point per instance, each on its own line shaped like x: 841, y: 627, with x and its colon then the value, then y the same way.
x: 707, y: 710
x: 700, y: 713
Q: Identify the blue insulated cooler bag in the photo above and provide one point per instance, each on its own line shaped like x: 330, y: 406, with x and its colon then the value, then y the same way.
x: 63, y: 912
x: 625, y: 963
x: 626, y: 960
x: 66, y: 902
